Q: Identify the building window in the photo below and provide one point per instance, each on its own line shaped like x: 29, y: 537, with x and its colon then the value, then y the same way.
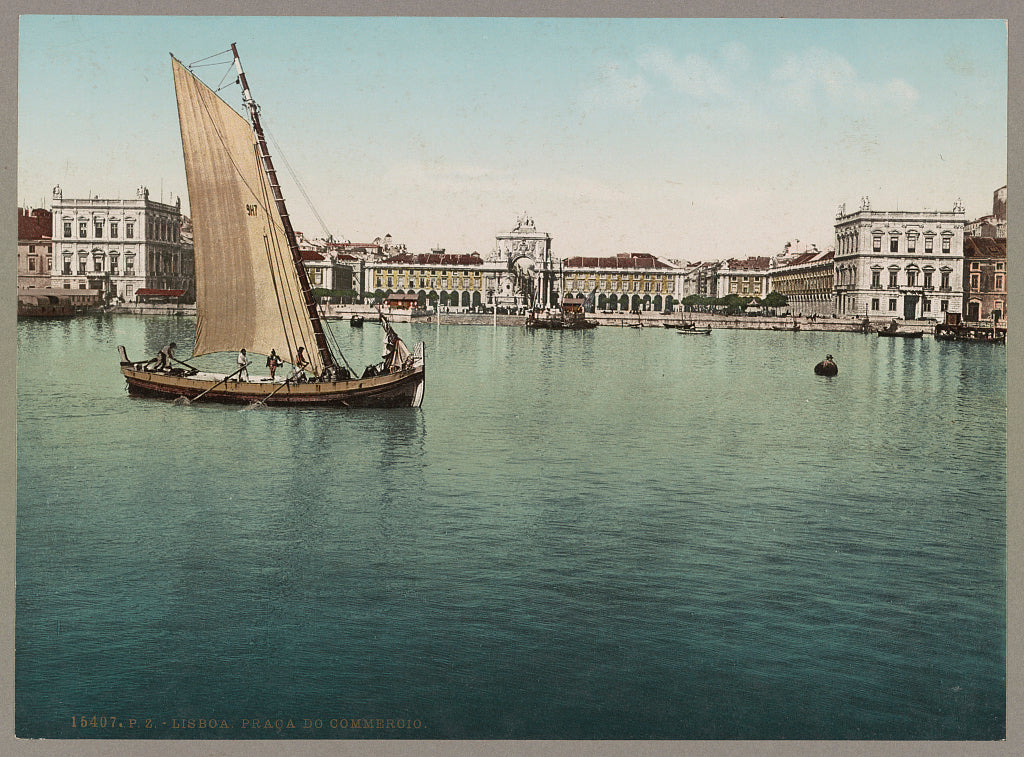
x: 894, y: 244
x: 32, y: 264
x: 926, y: 306
x: 975, y: 281
x: 129, y: 265
x: 945, y: 244
x: 912, y: 243
x: 944, y: 305
x: 129, y: 230
x: 892, y: 279
x: 999, y: 281
x: 97, y: 265
x: 878, y: 243
x: 876, y: 280
x: 945, y: 280
x: 874, y: 303
x: 98, y: 226
x: 911, y: 278
x: 975, y: 266
x: 83, y: 229
x: 928, y: 279
x: 892, y: 305
x: 113, y: 229
x: 67, y: 229
x: 928, y: 241
x: 113, y: 263
x: 999, y: 266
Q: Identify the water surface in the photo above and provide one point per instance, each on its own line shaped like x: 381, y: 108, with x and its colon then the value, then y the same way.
x: 610, y: 534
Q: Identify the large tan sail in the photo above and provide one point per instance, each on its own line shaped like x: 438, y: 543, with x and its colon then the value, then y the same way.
x: 247, y: 289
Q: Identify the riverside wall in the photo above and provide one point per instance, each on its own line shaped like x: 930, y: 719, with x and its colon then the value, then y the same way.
x: 660, y: 320
x: 337, y: 313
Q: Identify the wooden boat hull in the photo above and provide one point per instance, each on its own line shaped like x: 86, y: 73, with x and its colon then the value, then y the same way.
x: 825, y: 368
x: 969, y: 334
x: 401, y: 389
x: 557, y: 324
x: 704, y: 331
x: 404, y: 389
x: 902, y: 334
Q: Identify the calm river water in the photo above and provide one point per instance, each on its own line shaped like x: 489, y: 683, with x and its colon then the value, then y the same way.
x: 610, y: 534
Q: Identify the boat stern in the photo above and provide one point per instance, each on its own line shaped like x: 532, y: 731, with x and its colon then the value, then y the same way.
x: 419, y: 363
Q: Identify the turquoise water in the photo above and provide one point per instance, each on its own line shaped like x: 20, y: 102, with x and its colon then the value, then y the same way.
x: 609, y: 534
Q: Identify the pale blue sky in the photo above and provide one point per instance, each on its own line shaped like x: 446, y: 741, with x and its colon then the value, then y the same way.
x: 690, y: 139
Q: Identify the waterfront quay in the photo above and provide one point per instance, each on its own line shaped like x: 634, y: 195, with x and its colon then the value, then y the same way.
x: 649, y: 319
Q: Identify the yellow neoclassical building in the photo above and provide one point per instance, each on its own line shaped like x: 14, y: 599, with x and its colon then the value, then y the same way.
x: 628, y: 281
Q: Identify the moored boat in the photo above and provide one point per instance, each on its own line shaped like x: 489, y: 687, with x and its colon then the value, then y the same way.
x: 37, y: 305
x: 563, y: 322
x: 901, y: 334
x: 705, y: 330
x: 252, y: 290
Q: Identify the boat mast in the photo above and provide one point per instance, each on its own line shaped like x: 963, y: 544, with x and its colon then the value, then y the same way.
x: 268, y: 166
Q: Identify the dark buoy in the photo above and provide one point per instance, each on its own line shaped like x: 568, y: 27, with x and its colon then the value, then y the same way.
x: 826, y: 367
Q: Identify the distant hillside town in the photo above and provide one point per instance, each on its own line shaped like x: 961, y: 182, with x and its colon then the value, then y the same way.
x: 126, y: 254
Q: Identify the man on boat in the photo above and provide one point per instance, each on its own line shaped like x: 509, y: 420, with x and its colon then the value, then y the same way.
x: 243, y: 366
x: 164, y: 357
x: 273, y: 363
x: 301, y: 363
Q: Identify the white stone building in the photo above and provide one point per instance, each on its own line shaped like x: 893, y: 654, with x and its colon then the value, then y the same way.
x: 899, y: 264
x: 118, y: 247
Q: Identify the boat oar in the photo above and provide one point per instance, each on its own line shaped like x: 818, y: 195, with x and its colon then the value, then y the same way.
x: 187, y: 401
x: 263, y: 401
x: 185, y: 364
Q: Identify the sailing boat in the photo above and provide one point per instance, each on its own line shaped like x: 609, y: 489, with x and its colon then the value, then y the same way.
x: 252, y: 291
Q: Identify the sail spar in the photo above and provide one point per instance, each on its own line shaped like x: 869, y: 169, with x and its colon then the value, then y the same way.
x: 248, y: 292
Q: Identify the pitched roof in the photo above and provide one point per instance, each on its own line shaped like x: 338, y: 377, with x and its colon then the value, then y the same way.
x: 435, y: 258
x: 811, y: 257
x: 35, y: 224
x: 984, y: 247
x: 622, y: 260
x: 759, y: 263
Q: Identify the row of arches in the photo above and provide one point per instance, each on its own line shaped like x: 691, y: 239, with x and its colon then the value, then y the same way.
x: 467, y: 299
x: 442, y: 299
x: 627, y: 303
